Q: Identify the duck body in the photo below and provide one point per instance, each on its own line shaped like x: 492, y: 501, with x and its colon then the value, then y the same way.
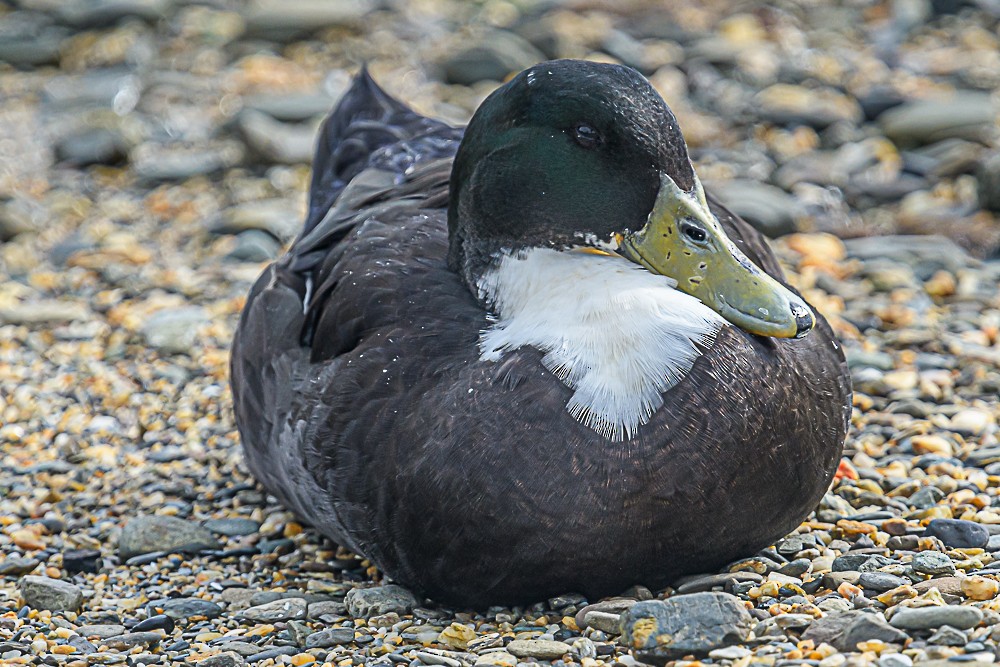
x: 368, y: 402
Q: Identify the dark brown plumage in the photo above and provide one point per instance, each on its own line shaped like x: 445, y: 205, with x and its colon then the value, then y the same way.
x: 372, y: 417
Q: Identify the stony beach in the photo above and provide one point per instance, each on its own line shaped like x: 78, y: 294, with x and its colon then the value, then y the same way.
x: 154, y: 155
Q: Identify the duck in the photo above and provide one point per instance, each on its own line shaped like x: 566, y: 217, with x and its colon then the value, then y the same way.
x: 532, y: 355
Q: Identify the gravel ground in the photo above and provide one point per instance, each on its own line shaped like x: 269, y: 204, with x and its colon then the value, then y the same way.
x: 154, y: 153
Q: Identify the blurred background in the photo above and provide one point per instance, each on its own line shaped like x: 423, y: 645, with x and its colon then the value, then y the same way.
x: 856, y: 118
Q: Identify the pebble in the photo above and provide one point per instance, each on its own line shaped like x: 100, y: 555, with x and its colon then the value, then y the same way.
x: 130, y: 640
x: 966, y: 115
x: 932, y: 563
x: 925, y: 618
x: 184, y: 608
x: 100, y: 631
x: 659, y: 631
x: 15, y: 566
x: 224, y: 659
x: 368, y: 602
x: 279, y: 610
x: 51, y: 594
x: 174, y: 331
x: 330, y: 637
x: 541, y: 649
x: 958, y: 533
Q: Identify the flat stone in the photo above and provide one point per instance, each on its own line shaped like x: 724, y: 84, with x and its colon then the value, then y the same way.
x: 860, y: 563
x: 603, y: 621
x: 958, y: 534
x: 866, y: 627
x: 95, y: 145
x: 658, y: 631
x: 927, y: 618
x: 235, y: 527
x: 606, y: 606
x: 101, y: 630
x: 130, y: 640
x: 286, y: 20
x: 224, y: 659
x: 184, y: 608
x: 541, y: 649
x: 279, y: 610
x: 368, y: 602
x: 880, y: 581
x: 491, y: 57
x: 330, y: 637
x: 278, y: 217
x: 948, y: 636
x: 326, y: 608
x: 275, y: 142
x: 51, y: 594
x: 946, y: 585
x: 771, y: 210
x: 932, y: 562
x: 15, y: 566
x: 966, y: 115
x: 174, y: 331
x: 150, y: 534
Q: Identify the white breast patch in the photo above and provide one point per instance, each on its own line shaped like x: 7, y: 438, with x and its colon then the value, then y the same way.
x: 615, y: 333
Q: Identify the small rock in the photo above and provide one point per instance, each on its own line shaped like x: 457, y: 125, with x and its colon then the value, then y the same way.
x: 184, y: 608
x: 659, y: 631
x: 277, y: 217
x: 980, y: 588
x: 44, y: 311
x: 101, y: 631
x: 927, y: 618
x: 541, y: 649
x: 15, y: 566
x: 492, y: 57
x: 958, y: 534
x: 859, y: 563
x: 235, y: 527
x: 932, y: 563
x: 81, y: 560
x: 174, y: 331
x: 603, y: 621
x: 771, y: 210
x: 254, y: 246
x: 276, y: 142
x: 948, y: 636
x: 149, y: 534
x: 95, y: 145
x: 966, y: 115
x: 844, y: 630
x: 51, y: 594
x: 497, y: 658
x: 895, y: 660
x: 880, y: 581
x: 330, y: 637
x: 368, y: 602
x: 130, y: 640
x: 609, y: 607
x: 988, y: 182
x: 155, y: 622
x: 946, y: 585
x: 279, y: 610
x: 729, y: 653
x: 326, y: 608
x: 224, y: 659
x: 287, y: 20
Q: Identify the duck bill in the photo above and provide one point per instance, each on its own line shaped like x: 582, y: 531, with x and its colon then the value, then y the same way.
x: 684, y: 241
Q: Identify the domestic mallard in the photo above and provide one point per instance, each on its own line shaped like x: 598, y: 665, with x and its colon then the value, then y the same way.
x: 533, y: 356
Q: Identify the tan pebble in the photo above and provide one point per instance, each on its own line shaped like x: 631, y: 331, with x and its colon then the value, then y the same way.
x: 64, y: 649
x: 303, y: 659
x: 856, y: 527
x: 971, y: 421
x: 27, y: 539
x: 941, y: 283
x: 53, y: 572
x: 931, y: 444
x: 980, y: 588
x: 457, y: 636
x: 500, y: 658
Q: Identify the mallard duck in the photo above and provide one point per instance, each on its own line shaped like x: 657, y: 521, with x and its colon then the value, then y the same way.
x: 532, y: 356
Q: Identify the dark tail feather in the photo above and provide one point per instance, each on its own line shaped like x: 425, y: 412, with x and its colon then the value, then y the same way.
x: 364, y: 120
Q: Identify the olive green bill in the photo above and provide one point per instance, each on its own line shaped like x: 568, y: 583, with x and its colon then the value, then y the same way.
x: 683, y: 240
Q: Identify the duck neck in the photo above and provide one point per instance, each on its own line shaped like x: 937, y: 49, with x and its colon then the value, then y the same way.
x: 616, y: 334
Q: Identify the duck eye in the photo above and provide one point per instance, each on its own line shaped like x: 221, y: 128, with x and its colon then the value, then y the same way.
x: 694, y: 232
x: 586, y: 135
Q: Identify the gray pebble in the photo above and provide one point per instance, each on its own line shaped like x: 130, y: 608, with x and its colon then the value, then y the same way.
x: 174, y: 331
x: 368, y: 602
x: 149, y: 534
x: 16, y: 566
x: 687, y: 624
x: 52, y: 594
x: 224, y: 659
x: 279, y: 610
x: 183, y: 608
x: 542, y: 649
x: 330, y: 637
x: 926, y: 618
x: 933, y: 563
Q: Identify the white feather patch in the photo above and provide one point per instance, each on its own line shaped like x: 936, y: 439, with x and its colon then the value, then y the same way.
x: 615, y: 333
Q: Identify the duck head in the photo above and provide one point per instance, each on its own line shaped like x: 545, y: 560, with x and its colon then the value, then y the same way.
x: 574, y: 155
